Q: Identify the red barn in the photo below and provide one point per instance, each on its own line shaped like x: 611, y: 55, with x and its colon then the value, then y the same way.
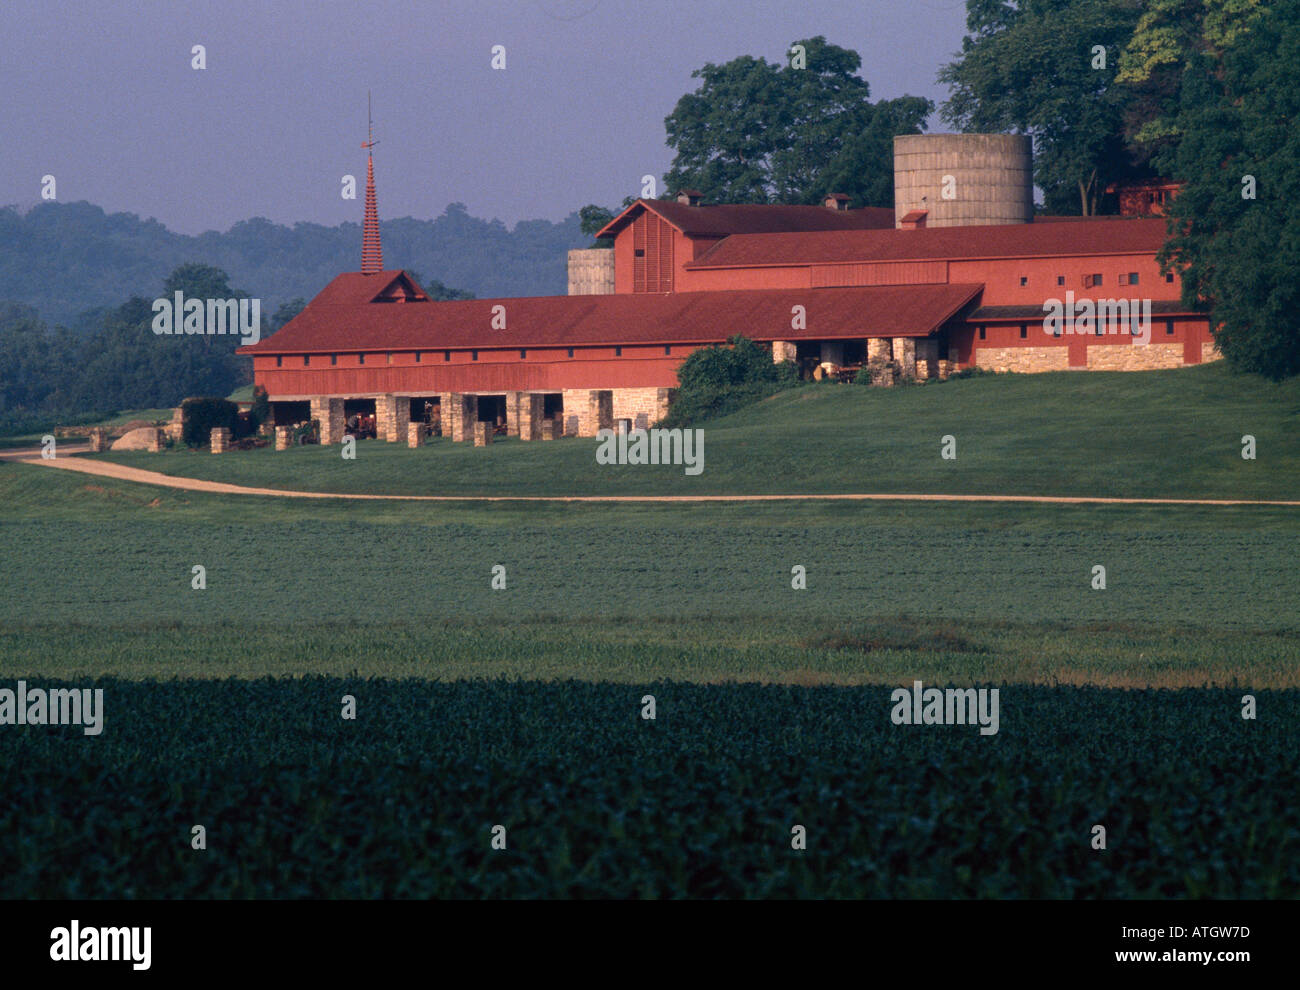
x: 826, y: 286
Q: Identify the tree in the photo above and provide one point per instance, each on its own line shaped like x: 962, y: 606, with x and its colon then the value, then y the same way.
x: 1046, y: 68
x: 759, y: 132
x: 1234, y: 224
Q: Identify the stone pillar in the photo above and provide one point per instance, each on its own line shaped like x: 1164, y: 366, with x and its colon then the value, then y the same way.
x: 156, y: 442
x: 553, y: 429
x: 927, y: 358
x: 598, y: 414
x: 392, y: 414
x: 663, y: 399
x: 905, y: 356
x: 283, y: 437
x: 516, y: 403
x: 220, y: 439
x: 414, y: 435
x: 464, y: 414
x: 530, y: 416
x: 946, y: 368
x: 444, y: 414
x: 176, y: 428
x: 784, y: 350
x: 878, y: 349
x: 483, y: 434
x: 98, y: 440
x: 328, y: 412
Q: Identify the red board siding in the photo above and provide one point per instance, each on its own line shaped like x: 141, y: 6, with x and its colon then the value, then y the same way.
x: 652, y: 270
x: 880, y: 273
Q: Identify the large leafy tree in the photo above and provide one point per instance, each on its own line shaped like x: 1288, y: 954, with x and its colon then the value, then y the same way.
x: 761, y: 132
x: 1236, y: 223
x: 1046, y: 68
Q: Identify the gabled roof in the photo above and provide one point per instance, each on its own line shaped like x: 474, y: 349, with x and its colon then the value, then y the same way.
x: 329, y: 325
x: 353, y: 288
x: 1021, y: 240
x: 751, y: 218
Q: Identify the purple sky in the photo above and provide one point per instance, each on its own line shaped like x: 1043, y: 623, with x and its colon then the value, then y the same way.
x: 101, y: 95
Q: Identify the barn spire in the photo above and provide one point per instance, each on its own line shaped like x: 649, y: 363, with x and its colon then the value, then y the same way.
x: 372, y: 255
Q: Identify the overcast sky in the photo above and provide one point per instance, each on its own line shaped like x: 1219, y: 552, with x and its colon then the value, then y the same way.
x: 101, y: 95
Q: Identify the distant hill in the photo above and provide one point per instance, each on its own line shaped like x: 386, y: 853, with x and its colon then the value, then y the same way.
x: 65, y: 259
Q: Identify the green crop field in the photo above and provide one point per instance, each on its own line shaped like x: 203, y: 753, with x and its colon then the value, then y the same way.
x: 519, y: 706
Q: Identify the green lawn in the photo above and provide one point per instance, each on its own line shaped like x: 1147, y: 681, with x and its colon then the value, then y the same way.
x: 1171, y: 433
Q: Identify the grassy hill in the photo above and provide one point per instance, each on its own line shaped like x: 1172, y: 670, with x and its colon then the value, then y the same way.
x: 1174, y: 433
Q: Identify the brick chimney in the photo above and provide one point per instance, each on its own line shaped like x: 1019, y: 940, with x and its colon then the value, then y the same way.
x: 689, y: 197
x: 837, y: 202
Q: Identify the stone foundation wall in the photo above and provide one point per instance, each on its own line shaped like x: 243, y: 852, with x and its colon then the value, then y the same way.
x: 1135, y: 357
x: 1023, y: 358
x: 98, y: 440
x: 414, y: 435
x: 482, y: 434
x: 1210, y: 352
x: 220, y: 440
x: 927, y: 358
x: 633, y: 403
x: 588, y: 410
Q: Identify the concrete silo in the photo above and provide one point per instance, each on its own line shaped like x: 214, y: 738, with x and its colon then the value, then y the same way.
x: 963, y: 180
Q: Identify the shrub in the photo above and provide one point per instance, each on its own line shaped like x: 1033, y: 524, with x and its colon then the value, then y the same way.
x: 201, y: 415
x: 719, y: 380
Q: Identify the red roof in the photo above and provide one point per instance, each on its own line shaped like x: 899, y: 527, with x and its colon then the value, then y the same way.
x: 751, y: 218
x: 342, y: 319
x: 1021, y: 240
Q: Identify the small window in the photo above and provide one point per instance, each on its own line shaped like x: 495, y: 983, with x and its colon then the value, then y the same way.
x: 1132, y: 278
x: 1096, y: 279
x: 1169, y: 277
x: 279, y: 361
x: 570, y: 352
x: 640, y: 252
x: 1123, y: 279
x: 1169, y: 328
x: 1060, y: 279
x: 1087, y: 281
x: 418, y: 356
x: 306, y: 360
x: 1024, y: 331
x: 361, y: 359
x: 390, y: 357
x: 618, y: 352
x: 446, y: 355
x: 981, y: 333
x: 334, y: 359
x: 668, y: 348
x: 522, y: 354
x: 1024, y: 280
x: 473, y: 355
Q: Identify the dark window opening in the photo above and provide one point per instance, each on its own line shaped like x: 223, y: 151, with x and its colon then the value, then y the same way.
x: 1024, y: 331
x: 618, y: 352
x: 361, y: 359
x: 668, y: 348
x: 279, y: 361
x: 1169, y: 277
x: 522, y: 354
x: 1096, y: 280
x: 570, y: 352
x: 639, y: 252
x: 306, y: 360
x: 1060, y: 279
x: 1169, y: 327
x: 473, y: 355
x: 981, y: 333
x: 417, y: 357
x: 446, y: 355
x: 1132, y: 278
x: 334, y: 359
x: 1024, y: 280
